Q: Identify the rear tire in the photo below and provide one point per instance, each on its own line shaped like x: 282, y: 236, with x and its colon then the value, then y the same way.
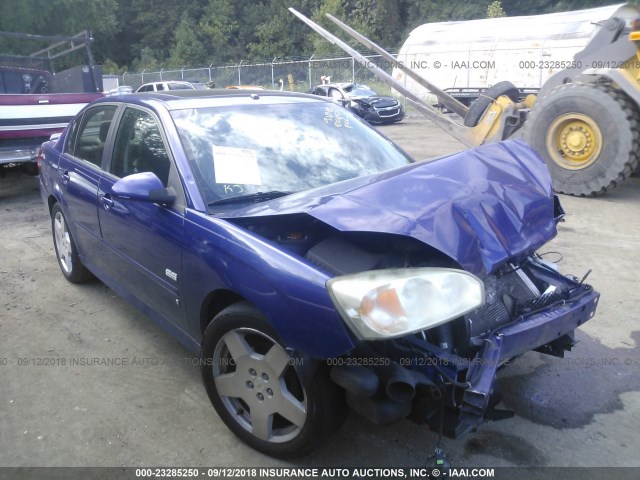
x: 486, y: 98
x: 65, y: 248
x: 280, y: 405
x: 588, y: 135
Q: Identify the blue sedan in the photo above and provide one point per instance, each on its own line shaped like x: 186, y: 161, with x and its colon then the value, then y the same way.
x: 313, y: 265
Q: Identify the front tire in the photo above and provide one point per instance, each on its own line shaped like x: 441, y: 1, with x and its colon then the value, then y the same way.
x: 65, y: 248
x: 277, y: 404
x: 588, y: 135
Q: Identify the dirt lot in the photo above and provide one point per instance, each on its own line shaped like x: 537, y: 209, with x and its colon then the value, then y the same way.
x: 150, y: 409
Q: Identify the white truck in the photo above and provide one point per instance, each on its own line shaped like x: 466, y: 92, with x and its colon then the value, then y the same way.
x: 466, y: 57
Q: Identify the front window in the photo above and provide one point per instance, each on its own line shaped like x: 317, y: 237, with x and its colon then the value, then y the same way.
x: 360, y: 91
x: 139, y: 147
x: 241, y: 150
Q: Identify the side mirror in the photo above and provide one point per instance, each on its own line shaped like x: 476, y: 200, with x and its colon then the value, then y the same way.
x: 144, y: 186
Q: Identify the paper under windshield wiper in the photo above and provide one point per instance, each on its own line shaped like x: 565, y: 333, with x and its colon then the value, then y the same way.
x: 255, y: 197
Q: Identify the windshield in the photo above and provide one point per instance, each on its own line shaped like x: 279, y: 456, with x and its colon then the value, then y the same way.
x: 239, y: 150
x: 360, y: 91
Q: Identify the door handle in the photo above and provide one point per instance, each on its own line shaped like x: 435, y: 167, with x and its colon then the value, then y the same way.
x: 65, y: 177
x: 107, y: 201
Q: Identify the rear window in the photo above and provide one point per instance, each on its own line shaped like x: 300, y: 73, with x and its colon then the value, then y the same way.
x: 18, y: 82
x: 180, y: 86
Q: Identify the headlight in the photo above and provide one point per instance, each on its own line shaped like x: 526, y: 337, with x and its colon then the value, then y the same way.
x: 391, y: 303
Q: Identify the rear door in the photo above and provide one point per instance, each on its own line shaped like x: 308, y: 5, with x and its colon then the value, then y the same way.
x: 79, y: 171
x: 143, y: 240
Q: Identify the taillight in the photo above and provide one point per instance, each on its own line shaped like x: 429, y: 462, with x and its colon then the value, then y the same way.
x: 39, y: 157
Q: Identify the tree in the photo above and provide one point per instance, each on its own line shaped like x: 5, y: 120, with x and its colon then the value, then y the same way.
x: 418, y: 12
x: 494, y: 10
x: 62, y: 17
x: 377, y: 19
x: 319, y: 44
x: 280, y: 33
x: 156, y: 33
x: 187, y: 49
x: 220, y: 30
x: 147, y: 60
x: 152, y: 25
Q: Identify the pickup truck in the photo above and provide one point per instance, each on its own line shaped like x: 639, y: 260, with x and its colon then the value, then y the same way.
x: 37, y: 101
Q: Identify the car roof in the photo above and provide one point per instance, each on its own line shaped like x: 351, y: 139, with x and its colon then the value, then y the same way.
x: 343, y: 85
x: 181, y: 82
x: 181, y: 99
x: 244, y: 87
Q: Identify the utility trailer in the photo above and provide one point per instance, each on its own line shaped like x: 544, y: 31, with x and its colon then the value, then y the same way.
x: 583, y: 121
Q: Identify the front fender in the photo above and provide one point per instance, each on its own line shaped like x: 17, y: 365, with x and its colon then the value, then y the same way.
x: 290, y: 292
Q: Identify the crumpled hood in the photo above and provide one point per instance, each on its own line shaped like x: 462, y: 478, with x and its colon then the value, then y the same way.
x: 482, y: 207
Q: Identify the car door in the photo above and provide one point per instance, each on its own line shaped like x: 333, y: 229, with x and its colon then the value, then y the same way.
x: 143, y: 240
x: 79, y: 171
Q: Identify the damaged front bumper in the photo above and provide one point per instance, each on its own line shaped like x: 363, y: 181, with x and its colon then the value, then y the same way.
x: 450, y: 392
x: 550, y: 331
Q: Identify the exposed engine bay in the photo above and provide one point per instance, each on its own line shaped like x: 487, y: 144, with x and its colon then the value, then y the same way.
x: 443, y: 376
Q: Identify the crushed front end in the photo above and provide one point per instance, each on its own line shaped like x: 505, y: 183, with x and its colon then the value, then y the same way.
x: 445, y: 376
x: 433, y: 268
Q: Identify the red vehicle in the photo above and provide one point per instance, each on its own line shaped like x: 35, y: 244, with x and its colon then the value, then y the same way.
x: 37, y: 101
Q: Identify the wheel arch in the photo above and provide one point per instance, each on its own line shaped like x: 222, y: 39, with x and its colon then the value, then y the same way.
x: 292, y: 383
x: 51, y: 201
x: 215, y: 302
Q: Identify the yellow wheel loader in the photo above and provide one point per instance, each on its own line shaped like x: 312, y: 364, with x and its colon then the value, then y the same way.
x: 584, y: 121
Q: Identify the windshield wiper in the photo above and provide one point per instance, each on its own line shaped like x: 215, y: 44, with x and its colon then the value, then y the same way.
x: 255, y: 197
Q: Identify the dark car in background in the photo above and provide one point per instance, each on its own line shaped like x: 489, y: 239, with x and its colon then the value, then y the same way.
x: 309, y: 261
x: 363, y: 101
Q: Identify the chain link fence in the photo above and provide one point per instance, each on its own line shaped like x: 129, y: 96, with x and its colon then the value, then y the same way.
x: 298, y: 74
